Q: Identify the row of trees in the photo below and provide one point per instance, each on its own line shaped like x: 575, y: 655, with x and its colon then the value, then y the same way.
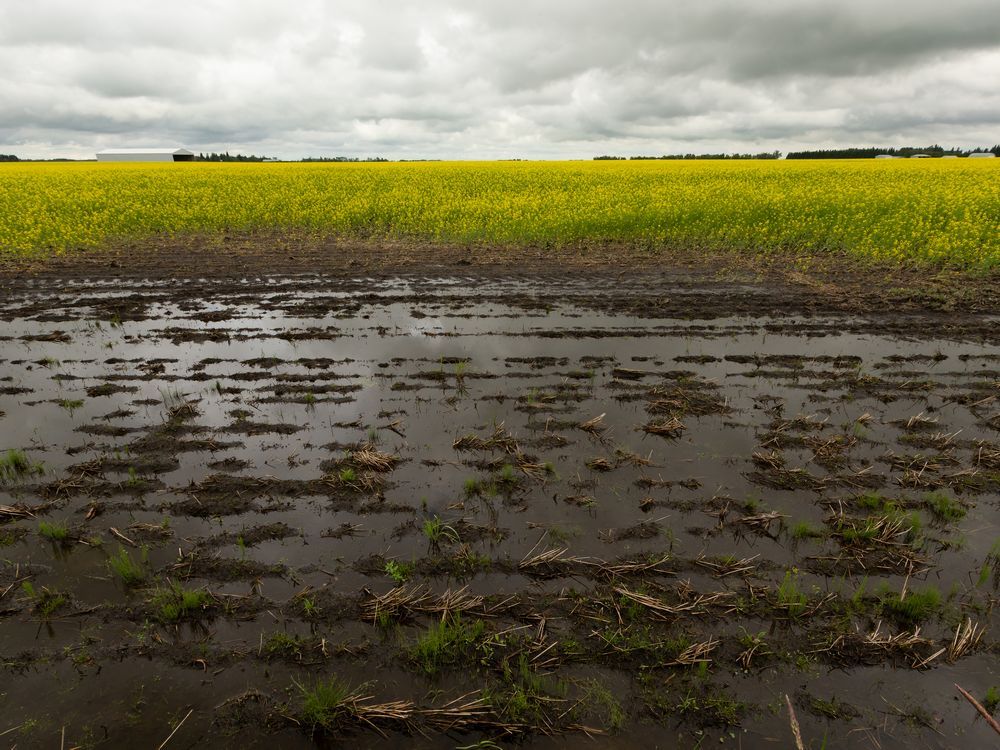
x: 670, y: 157
x: 229, y: 157
x: 871, y: 153
x: 345, y: 159
x: 8, y: 157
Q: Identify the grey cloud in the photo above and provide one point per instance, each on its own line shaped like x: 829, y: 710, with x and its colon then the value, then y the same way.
x: 489, y: 78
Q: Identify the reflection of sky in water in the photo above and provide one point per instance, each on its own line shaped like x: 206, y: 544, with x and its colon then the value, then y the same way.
x: 393, y: 350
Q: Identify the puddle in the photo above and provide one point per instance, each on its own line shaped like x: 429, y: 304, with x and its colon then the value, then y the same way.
x: 632, y: 497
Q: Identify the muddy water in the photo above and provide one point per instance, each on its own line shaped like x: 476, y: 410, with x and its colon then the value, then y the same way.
x: 209, y: 437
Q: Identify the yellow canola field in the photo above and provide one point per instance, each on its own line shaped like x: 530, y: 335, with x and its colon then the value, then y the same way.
x: 938, y: 212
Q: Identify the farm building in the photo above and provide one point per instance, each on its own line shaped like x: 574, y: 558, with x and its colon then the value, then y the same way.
x: 145, y: 154
x: 986, y: 155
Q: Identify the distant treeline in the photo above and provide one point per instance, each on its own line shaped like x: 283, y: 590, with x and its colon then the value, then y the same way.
x: 13, y: 157
x: 669, y: 157
x: 230, y: 157
x: 871, y: 153
x: 345, y: 158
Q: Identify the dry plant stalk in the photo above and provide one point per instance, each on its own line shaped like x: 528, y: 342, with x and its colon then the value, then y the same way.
x: 967, y: 635
x: 87, y: 469
x: 920, y: 422
x: 594, y: 426
x: 746, y: 656
x: 415, y: 600
x: 979, y: 707
x: 773, y: 460
x: 183, y: 411
x: 695, y: 653
x: 987, y: 456
x: 698, y: 605
x: 600, y: 464
x: 623, y: 456
x: 762, y: 521
x: 794, y: 722
x: 367, y: 457
x: 728, y: 568
x: 671, y: 428
x: 16, y: 511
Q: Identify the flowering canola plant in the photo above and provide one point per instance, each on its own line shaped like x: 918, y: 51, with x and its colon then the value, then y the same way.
x: 929, y: 211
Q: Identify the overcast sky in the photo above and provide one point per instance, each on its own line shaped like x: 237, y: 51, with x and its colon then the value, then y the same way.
x: 485, y: 79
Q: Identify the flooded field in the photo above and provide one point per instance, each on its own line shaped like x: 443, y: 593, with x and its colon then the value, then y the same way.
x: 436, y: 512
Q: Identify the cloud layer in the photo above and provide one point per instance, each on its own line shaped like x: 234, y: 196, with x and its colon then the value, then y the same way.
x: 496, y: 79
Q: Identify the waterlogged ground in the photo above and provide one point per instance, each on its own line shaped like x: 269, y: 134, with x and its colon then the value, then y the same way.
x: 436, y: 512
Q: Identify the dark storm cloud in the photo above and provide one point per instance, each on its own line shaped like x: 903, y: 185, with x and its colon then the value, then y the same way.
x: 488, y: 78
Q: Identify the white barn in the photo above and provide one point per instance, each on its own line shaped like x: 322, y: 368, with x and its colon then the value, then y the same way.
x: 145, y: 154
x: 981, y: 155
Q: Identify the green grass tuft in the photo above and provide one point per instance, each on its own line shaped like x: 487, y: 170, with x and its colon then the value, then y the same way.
x: 915, y: 607
x: 438, y: 531
x: 71, y: 405
x: 398, y: 571
x: 944, y: 507
x: 282, y: 645
x: 806, y: 530
x: 326, y: 703
x: 129, y: 571
x: 789, y: 595
x: 447, y: 643
x: 54, y: 532
x: 992, y: 699
x: 173, y: 602
x: 14, y: 465
x: 44, y: 603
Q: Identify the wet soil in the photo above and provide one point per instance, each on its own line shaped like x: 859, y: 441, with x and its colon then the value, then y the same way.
x: 524, y: 507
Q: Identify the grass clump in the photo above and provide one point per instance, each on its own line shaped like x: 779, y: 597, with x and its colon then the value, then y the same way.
x: 992, y: 699
x: 54, y: 532
x: 829, y: 709
x: 44, y: 602
x: 71, y: 404
x: 281, y: 645
x: 173, y: 602
x: 507, y: 476
x: 438, y: 531
x: 790, y: 596
x: 129, y: 571
x: 526, y: 695
x: 327, y: 703
x: 601, y: 702
x: 915, y: 607
x: 10, y: 538
x: 714, y: 707
x: 944, y: 507
x: 14, y: 465
x: 398, y: 571
x: 985, y: 573
x: 871, y: 501
x: 447, y: 643
x: 805, y: 530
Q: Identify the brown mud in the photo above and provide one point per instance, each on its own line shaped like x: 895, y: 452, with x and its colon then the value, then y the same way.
x: 522, y: 508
